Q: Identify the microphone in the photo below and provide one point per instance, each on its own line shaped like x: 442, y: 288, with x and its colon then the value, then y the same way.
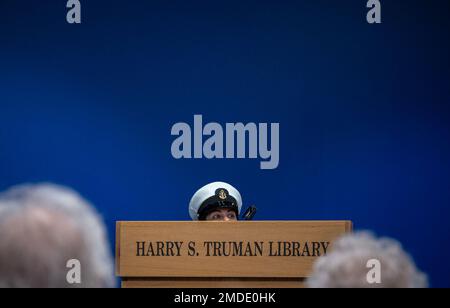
x: 249, y: 213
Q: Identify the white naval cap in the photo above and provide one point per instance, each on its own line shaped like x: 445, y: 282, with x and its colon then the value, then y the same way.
x: 212, y: 195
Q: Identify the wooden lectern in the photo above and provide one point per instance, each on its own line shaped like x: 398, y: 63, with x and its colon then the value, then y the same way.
x: 253, y: 254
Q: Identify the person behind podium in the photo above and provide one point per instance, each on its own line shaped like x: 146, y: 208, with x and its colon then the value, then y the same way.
x: 42, y: 228
x: 216, y: 201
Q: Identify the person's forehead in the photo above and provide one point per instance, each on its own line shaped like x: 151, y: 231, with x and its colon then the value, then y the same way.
x: 222, y: 210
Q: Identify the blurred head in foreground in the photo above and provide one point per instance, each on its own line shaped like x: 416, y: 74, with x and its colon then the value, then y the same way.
x: 42, y: 227
x: 347, y: 265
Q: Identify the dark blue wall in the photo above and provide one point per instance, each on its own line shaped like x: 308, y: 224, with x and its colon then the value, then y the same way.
x: 363, y: 109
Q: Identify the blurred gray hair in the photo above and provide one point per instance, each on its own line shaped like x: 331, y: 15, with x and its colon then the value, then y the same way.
x: 346, y: 265
x: 44, y: 226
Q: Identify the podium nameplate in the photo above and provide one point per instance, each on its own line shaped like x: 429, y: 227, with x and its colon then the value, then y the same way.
x: 216, y: 254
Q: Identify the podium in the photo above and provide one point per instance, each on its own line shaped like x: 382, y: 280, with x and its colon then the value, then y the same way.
x: 242, y: 254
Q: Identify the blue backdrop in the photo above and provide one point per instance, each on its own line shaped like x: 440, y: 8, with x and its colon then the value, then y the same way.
x: 363, y: 109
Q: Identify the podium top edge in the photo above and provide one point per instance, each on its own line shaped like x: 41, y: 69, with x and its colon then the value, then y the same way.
x: 232, y: 222
x: 346, y: 224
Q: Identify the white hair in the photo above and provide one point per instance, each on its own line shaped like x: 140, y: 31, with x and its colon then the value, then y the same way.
x: 44, y: 226
x: 346, y: 265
